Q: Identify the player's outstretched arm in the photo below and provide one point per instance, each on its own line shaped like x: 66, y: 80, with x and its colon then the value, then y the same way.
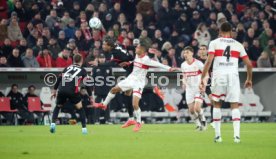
x: 248, y: 82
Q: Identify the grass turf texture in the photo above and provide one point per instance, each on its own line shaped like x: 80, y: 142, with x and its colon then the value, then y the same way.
x: 153, y: 141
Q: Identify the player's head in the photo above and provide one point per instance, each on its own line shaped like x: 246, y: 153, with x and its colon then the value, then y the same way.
x: 202, y: 50
x: 77, y: 58
x: 188, y: 53
x: 225, y: 29
x: 108, y: 44
x: 141, y: 49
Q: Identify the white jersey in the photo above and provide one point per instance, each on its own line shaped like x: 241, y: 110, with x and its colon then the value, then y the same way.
x: 141, y: 66
x: 227, y: 52
x: 192, y: 73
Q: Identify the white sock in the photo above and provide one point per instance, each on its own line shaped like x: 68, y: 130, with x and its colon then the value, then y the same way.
x: 138, y: 115
x: 236, y: 116
x: 195, y: 118
x: 53, y: 124
x: 109, y: 97
x: 217, y: 120
x: 201, y: 115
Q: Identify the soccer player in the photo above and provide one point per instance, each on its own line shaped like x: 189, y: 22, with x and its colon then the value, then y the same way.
x: 121, y: 57
x: 226, y: 52
x: 136, y: 81
x: 192, y: 69
x: 69, y: 90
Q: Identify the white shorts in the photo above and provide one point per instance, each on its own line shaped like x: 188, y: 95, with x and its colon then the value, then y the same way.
x: 226, y: 87
x: 193, y: 95
x: 134, y: 85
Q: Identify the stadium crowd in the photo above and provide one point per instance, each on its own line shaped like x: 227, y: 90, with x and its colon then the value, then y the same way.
x: 46, y: 34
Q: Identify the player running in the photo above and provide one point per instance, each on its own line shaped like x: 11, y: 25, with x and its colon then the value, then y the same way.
x: 122, y: 58
x: 69, y: 90
x: 226, y: 52
x: 136, y: 82
x: 192, y: 69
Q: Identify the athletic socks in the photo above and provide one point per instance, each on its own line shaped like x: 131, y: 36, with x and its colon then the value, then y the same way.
x: 55, y: 114
x: 201, y: 115
x: 138, y: 115
x: 109, y: 97
x: 217, y: 120
x: 129, y: 106
x: 195, y: 118
x: 236, y: 115
x: 82, y: 117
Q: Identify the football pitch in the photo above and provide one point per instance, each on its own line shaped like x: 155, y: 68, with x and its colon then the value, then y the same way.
x: 166, y: 141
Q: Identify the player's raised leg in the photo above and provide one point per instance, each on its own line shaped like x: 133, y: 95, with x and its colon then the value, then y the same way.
x: 130, y: 120
x: 137, y: 111
x: 236, y: 116
x: 109, y: 97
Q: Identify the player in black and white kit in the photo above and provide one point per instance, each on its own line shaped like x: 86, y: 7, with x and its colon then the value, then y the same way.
x: 121, y: 57
x: 68, y: 89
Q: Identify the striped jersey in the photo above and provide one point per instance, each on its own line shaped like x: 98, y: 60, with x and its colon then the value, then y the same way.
x: 227, y: 52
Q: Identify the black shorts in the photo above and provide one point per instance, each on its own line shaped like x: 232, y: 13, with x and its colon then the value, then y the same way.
x: 208, y: 90
x: 63, y: 97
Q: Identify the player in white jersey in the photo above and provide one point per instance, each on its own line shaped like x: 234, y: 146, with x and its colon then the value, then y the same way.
x: 192, y: 69
x: 225, y: 85
x: 136, y: 81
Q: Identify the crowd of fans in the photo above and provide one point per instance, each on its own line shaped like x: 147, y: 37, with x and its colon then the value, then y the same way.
x: 47, y: 34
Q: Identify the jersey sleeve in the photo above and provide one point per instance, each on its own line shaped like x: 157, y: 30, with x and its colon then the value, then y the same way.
x: 243, y: 53
x: 211, y: 48
x: 153, y: 63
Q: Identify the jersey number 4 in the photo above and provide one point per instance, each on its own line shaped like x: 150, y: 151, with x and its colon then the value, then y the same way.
x: 227, y: 53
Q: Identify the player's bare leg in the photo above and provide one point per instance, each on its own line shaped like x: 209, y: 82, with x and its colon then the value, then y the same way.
x: 130, y: 110
x: 108, y: 98
x: 211, y: 110
x: 217, y: 121
x: 199, y: 111
x: 236, y: 116
x: 82, y: 117
x: 54, y: 118
x: 137, y: 112
x: 194, y: 116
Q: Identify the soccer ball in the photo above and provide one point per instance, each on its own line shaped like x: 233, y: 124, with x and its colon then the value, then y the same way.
x: 95, y: 23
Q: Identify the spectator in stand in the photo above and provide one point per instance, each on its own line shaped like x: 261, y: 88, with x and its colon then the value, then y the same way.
x: 213, y: 30
x: 195, y: 20
x: 264, y: 37
x: 183, y: 28
x: 46, y: 35
x: 158, y: 38
x: 91, y: 59
x: 17, y: 102
x: 29, y: 60
x: 202, y: 34
x: 212, y: 18
x: 165, y: 18
x: 254, y: 52
x: 3, y: 61
x: 32, y: 38
x: 122, y: 36
x: 70, y: 30
x: 7, y: 48
x: 171, y: 58
x: 250, y: 36
x: 79, y: 40
x: 52, y: 19
x: 234, y: 20
x: 3, y: 29
x: 44, y: 59
x: 271, y: 49
x: 206, y: 10
x: 38, y: 47
x: 62, y: 41
x: 19, y: 10
x: 165, y: 48
x: 74, y: 13
x: 14, y: 32
x: 14, y: 59
x: 65, y: 19
x: 145, y: 39
x: 254, y: 25
x: 81, y: 19
x: 241, y: 32
x: 22, y: 46
x: 264, y: 60
x: 229, y: 11
x: 64, y: 59
x: 54, y: 48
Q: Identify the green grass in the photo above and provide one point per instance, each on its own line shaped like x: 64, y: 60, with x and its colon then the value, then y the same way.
x: 152, y: 142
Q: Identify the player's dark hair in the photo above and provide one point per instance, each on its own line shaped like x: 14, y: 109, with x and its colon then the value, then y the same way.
x: 225, y: 27
x: 204, y: 46
x: 110, y: 41
x: 14, y: 85
x: 189, y: 48
x: 77, y: 58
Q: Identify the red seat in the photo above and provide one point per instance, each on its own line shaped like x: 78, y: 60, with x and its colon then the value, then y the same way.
x: 5, y: 107
x: 34, y: 105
